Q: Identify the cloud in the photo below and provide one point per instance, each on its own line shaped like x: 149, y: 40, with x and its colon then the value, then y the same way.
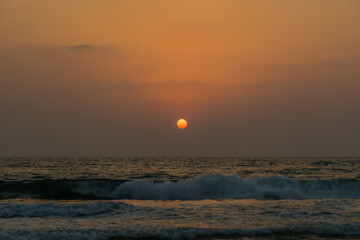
x: 81, y: 48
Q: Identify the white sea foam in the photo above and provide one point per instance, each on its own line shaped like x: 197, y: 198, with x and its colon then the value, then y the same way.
x: 214, y: 186
x: 10, y: 210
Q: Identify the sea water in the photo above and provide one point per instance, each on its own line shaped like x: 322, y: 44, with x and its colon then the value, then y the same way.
x: 179, y: 198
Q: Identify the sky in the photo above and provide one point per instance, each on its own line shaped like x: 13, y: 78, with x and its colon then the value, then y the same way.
x: 111, y: 78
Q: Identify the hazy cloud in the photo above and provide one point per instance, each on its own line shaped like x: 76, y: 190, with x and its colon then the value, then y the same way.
x: 81, y: 47
x: 53, y: 101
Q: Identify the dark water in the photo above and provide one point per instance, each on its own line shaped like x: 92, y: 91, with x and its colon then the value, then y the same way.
x: 179, y: 198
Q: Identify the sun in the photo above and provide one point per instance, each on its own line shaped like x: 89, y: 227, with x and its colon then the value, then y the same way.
x: 181, y: 123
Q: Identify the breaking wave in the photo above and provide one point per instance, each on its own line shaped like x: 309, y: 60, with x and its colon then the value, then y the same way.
x: 206, y: 186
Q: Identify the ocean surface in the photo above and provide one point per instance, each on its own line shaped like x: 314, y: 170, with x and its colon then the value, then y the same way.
x: 179, y: 198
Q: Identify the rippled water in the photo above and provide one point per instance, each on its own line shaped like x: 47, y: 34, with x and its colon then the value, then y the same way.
x: 179, y: 198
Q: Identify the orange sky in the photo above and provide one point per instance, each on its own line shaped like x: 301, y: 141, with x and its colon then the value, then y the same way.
x: 238, y: 70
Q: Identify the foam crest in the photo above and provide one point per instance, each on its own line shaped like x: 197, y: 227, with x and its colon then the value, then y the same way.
x: 215, y: 186
x: 206, y: 186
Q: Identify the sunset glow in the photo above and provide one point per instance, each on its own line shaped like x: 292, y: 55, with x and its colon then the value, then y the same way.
x: 94, y: 72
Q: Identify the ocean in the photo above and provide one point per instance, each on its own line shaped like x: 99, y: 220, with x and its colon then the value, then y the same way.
x: 179, y: 198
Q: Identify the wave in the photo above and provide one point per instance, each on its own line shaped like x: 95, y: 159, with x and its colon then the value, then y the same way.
x: 11, y: 210
x: 186, y: 233
x: 56, y: 189
x: 206, y: 186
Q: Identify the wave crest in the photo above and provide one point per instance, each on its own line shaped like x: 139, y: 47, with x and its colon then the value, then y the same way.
x: 206, y: 186
x: 215, y: 186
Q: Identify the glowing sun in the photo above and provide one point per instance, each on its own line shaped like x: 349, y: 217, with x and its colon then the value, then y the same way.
x: 181, y: 123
